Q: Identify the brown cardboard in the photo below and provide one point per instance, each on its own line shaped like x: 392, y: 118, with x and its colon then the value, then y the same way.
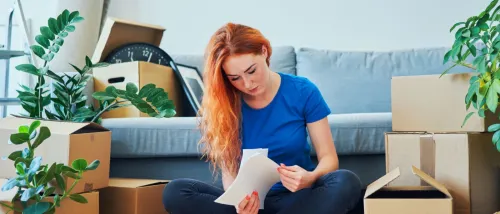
x: 68, y: 141
x: 382, y: 199
x: 68, y: 206
x: 468, y: 164
x: 139, y: 73
x: 133, y: 196
x: 117, y: 32
x: 433, y: 104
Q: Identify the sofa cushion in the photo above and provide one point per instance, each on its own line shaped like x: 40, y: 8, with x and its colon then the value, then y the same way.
x: 360, y: 82
x: 282, y: 60
x: 153, y: 137
x: 178, y: 136
x: 359, y: 134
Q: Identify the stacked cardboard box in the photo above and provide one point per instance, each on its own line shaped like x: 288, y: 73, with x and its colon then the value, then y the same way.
x: 427, y: 113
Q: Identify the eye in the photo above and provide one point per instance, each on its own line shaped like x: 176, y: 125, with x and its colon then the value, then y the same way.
x: 235, y: 78
x: 253, y: 71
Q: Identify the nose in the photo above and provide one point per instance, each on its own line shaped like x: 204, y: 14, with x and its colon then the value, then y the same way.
x: 248, y: 83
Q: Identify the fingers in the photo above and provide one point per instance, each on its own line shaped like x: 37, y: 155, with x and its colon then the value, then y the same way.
x: 256, y: 204
x: 287, y: 173
x: 289, y: 183
x: 243, y: 203
x: 293, y: 168
x: 248, y: 204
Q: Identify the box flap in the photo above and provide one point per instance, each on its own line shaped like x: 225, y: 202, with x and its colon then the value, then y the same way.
x: 134, y: 182
x: 431, y: 181
x: 381, y: 182
x: 117, y: 32
x: 55, y: 126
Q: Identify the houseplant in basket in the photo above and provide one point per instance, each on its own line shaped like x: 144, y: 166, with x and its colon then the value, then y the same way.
x: 33, y: 176
x: 478, y: 38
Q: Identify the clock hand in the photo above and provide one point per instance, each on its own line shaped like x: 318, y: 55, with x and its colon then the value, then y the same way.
x: 132, y: 56
x: 150, y: 54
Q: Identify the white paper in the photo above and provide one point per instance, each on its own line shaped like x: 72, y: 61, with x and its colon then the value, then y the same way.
x: 257, y: 172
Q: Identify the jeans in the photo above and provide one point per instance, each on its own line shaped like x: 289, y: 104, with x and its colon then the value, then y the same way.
x: 334, y: 193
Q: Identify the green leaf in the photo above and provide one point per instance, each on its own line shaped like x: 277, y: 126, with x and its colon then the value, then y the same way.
x: 103, y: 96
x: 35, y: 165
x: 34, y: 125
x: 131, y: 88
x: 42, y: 136
x: 71, y: 175
x: 54, y: 48
x: 77, y: 19
x: 38, y: 50
x: 10, y: 184
x: 467, y: 118
x: 61, y: 182
x: 47, y: 33
x: 37, y: 208
x: 14, y: 155
x: 54, y: 76
x: 475, y: 31
x: 68, y: 169
x: 472, y: 49
x: 455, y: 25
x: 28, y: 68
x: 49, y: 175
x: 101, y: 64
x: 23, y: 129
x: 88, y: 62
x: 53, y: 26
x: 59, y: 41
x: 72, y: 15
x: 65, y: 17
x: 79, y: 164
x: 466, y: 33
x: 481, y: 113
x: 494, y: 127
x: 78, y: 198
x: 19, y: 138
x: 496, y: 136
x: 492, y: 99
x: 21, y: 168
x: 70, y: 28
x: 48, y: 56
x: 27, y: 194
x: 484, y: 26
x: 93, y: 165
x: 49, y: 191
x: 63, y: 34
x: 76, y: 68
x: 44, y: 42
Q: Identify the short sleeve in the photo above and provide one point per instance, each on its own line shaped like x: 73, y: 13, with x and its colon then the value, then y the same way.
x: 315, y: 107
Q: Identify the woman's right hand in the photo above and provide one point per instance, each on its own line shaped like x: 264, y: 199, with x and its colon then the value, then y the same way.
x: 249, y: 205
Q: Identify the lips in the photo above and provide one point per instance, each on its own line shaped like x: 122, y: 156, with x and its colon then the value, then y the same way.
x: 254, y: 89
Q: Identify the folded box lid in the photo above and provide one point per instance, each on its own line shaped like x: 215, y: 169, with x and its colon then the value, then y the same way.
x: 134, y: 182
x: 117, y: 32
x: 55, y: 126
x: 393, y: 174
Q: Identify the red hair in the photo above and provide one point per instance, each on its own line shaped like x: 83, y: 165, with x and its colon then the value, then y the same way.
x: 221, y: 106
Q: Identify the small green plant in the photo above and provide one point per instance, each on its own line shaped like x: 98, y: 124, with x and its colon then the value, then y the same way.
x: 478, y: 37
x: 33, y: 177
x: 68, y: 98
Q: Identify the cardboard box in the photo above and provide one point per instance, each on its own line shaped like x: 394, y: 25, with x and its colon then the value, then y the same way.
x: 68, y: 206
x: 468, y: 164
x: 68, y: 141
x: 133, y: 196
x: 117, y: 32
x: 382, y: 199
x: 433, y: 104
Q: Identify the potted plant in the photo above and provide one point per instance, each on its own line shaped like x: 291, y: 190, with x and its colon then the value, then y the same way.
x: 33, y: 180
x: 477, y: 39
x: 68, y: 98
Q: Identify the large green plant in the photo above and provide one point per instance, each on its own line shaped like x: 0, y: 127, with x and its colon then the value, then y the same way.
x: 68, y: 98
x: 478, y: 38
x: 33, y: 178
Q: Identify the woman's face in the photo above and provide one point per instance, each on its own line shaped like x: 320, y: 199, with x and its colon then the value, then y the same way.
x: 248, y: 73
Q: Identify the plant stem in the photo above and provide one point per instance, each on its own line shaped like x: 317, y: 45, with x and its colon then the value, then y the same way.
x: 105, y: 109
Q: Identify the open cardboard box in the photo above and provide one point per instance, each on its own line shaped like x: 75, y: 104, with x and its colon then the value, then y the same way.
x: 468, y: 164
x: 68, y: 141
x: 67, y: 205
x: 118, y: 32
x: 437, y: 107
x: 133, y: 196
x: 381, y: 199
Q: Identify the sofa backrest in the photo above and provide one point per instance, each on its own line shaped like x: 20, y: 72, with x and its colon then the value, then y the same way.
x: 360, y: 82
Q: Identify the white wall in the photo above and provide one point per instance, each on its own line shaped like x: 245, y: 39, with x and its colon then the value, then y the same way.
x: 329, y: 24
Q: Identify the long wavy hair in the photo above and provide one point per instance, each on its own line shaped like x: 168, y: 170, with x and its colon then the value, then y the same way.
x: 220, y: 112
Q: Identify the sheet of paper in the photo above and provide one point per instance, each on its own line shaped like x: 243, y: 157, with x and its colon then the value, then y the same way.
x: 247, y: 153
x: 257, y: 173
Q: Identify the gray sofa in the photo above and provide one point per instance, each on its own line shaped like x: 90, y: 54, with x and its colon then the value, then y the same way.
x: 356, y: 86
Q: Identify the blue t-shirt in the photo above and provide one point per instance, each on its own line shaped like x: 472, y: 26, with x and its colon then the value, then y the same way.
x: 281, y: 125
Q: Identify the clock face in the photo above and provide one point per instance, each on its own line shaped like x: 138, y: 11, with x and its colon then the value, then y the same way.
x: 139, y: 52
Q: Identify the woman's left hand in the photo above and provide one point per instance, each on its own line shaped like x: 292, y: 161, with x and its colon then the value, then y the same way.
x: 295, y: 178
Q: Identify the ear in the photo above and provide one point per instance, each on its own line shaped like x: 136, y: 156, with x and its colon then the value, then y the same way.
x: 264, y: 51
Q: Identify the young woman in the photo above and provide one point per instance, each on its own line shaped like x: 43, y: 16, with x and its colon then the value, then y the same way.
x: 247, y: 105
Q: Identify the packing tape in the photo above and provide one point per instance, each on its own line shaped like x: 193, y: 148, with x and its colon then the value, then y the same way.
x: 427, y: 156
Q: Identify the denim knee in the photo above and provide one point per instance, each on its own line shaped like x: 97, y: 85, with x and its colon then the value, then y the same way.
x: 172, y: 193
x: 344, y: 182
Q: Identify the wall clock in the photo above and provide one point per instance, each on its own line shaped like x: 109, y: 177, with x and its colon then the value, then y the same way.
x: 139, y: 52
